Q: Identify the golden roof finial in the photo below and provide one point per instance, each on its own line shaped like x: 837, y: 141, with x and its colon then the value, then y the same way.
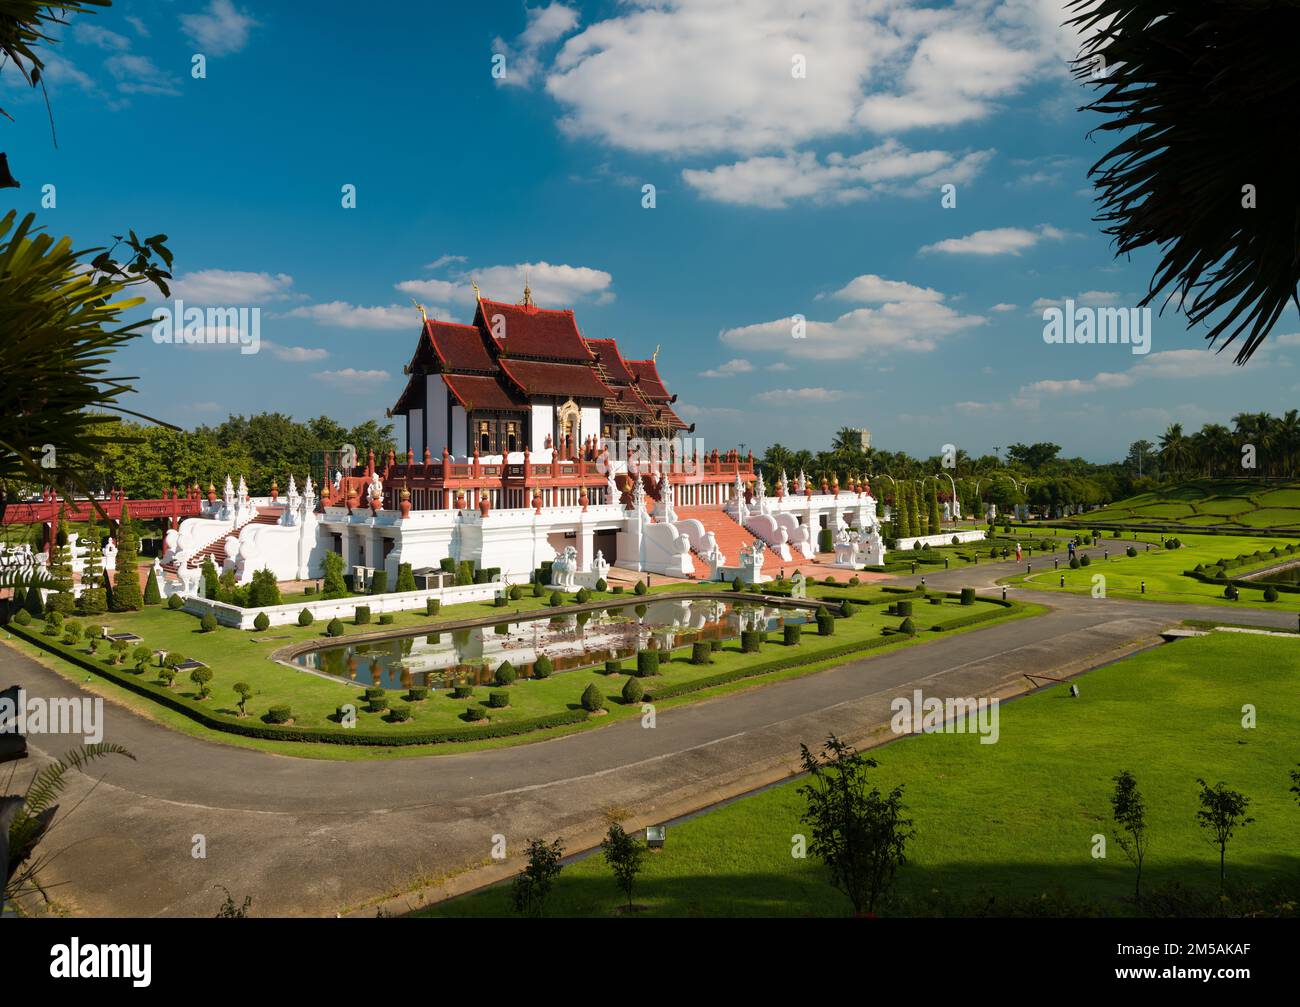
x: 527, y: 302
x: 654, y: 357
x: 423, y: 316
x: 477, y: 295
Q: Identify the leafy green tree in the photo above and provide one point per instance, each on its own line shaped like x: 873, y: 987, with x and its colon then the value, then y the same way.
x: 858, y: 833
x: 623, y: 855
x: 405, y: 578
x: 244, y: 691
x: 93, y: 598
x: 933, y: 523
x: 1130, y: 814
x: 333, y: 585
x: 126, y: 584
x: 201, y: 676
x: 533, y: 884
x: 1223, y: 812
x: 211, y: 580
x: 264, y: 589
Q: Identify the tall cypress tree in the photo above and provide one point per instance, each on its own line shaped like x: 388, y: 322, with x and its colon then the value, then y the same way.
x: 914, y: 498
x: 92, y: 600
x: 934, y: 509
x: 902, y: 516
x: 60, y: 570
x: 126, y: 582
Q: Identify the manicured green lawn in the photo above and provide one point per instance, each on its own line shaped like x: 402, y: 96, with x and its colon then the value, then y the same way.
x: 1015, y: 819
x: 1230, y: 503
x: 241, y: 656
x: 1162, y: 570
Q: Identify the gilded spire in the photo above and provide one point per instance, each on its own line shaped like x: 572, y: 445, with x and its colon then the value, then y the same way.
x: 423, y: 316
x: 527, y: 302
x: 477, y: 295
x: 654, y: 357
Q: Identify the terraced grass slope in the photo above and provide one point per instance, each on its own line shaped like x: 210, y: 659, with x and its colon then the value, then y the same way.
x: 1225, y: 504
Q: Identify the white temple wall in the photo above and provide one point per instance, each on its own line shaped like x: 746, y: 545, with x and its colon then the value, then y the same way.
x: 458, y: 439
x: 435, y: 401
x: 589, y: 424
x: 415, y: 432
x: 543, y: 422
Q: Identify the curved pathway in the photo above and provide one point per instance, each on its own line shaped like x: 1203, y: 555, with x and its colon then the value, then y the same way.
x: 306, y: 836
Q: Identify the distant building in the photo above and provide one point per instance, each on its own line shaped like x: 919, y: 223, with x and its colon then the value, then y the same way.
x: 864, y: 436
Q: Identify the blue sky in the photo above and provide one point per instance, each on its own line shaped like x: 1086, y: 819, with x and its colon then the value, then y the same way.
x: 775, y: 195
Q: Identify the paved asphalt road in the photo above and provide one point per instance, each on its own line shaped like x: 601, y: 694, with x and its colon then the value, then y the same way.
x: 314, y: 837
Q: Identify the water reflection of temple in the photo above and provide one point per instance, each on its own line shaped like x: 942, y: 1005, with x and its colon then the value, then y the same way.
x: 570, y: 641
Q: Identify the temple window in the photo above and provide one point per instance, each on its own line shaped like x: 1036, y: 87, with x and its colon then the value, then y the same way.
x: 512, y: 436
x: 484, y: 437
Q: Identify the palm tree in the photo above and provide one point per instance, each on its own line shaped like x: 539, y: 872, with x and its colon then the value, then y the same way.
x: 1194, y: 90
x: 1175, y: 449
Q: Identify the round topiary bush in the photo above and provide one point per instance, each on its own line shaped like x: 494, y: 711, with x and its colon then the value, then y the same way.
x: 1074, y: 562
x: 792, y: 634
x: 175, y: 602
x: 377, y: 703
x: 1130, y: 552
x: 386, y: 618
x: 538, y: 590
x: 633, y: 690
x: 417, y: 693
x: 1270, y: 593
x: 23, y: 617
x: 279, y: 715
x: 968, y: 596
x: 305, y: 618
x: 592, y: 700
x: 475, y: 713
x: 372, y: 691
x: 907, y: 626
x: 543, y: 667
x: 1230, y: 592
x: 700, y: 653
x: 583, y: 596
x: 1085, y: 560
x: 736, y: 585
x: 498, y: 699
x: 516, y: 592
x: 500, y: 601
x: 847, y: 609
x: 613, y: 667
x: 399, y: 713
x: 505, y: 674
x: 334, y: 627
x: 647, y: 663
x: 602, y: 584
x: 208, y: 623
x: 640, y: 587
x: 462, y: 691
x: 750, y: 643
x: 262, y: 622
x: 555, y: 600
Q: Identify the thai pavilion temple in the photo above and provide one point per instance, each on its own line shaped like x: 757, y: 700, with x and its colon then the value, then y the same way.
x: 529, y: 444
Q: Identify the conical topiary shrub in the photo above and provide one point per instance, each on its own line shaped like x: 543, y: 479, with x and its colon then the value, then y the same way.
x: 592, y: 699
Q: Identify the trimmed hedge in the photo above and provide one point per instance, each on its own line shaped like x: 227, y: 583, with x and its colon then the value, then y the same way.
x: 613, y: 667
x: 362, y: 616
x: 543, y: 667
x: 305, y: 618
x: 826, y: 622
x: 592, y: 699
x: 431, y: 606
x: 334, y: 627
x: 505, y: 674
x: 462, y: 691
x: 750, y: 642
x: 968, y: 596
x: 279, y: 714
x: 792, y: 634
x: 633, y: 690
x: 498, y: 699
x: 647, y: 663
x: 700, y: 653
x: 261, y: 622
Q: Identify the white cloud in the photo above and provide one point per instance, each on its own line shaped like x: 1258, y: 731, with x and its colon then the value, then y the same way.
x: 1004, y: 307
x: 693, y: 76
x: 232, y: 287
x: 779, y: 367
x: 353, y: 316
x: 693, y: 412
x: 773, y: 182
x: 997, y: 241
x: 730, y: 369
x: 1167, y: 365
x: 222, y: 30
x: 553, y: 285
x: 799, y: 396
x: 138, y: 75
x: 138, y: 24
x: 907, y: 318
x: 444, y: 260
x: 872, y: 289
x: 546, y: 26
x: 1089, y: 298
x: 101, y: 38
x: 351, y: 380
x: 294, y: 354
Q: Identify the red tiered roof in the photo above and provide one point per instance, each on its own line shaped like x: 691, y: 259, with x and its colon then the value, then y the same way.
x: 478, y: 391
x: 649, y: 384
x: 612, y: 361
x: 459, y: 347
x: 534, y: 332
x: 535, y: 377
